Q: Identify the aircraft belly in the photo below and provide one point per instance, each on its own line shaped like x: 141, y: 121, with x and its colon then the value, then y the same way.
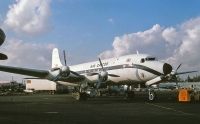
x: 92, y: 78
x: 144, y: 75
x: 126, y: 74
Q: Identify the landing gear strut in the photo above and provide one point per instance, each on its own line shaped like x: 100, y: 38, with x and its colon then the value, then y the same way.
x: 129, y: 93
x: 79, y: 94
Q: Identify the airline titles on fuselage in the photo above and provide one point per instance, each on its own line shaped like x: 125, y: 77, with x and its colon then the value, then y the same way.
x: 98, y: 65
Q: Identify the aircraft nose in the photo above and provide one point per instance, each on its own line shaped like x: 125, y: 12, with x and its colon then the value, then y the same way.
x: 167, y: 68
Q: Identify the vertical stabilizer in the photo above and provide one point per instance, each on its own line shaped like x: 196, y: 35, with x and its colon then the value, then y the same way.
x: 56, y: 59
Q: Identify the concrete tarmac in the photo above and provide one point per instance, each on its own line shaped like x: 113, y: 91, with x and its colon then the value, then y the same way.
x: 63, y: 109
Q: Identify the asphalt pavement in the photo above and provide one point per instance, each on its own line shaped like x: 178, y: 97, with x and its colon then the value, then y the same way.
x: 63, y: 109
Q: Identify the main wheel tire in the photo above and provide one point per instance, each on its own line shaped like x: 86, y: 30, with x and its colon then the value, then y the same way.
x: 129, y: 95
x: 80, y: 96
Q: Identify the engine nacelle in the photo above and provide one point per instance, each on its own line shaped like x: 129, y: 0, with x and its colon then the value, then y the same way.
x: 56, y: 73
x: 65, y: 71
x: 154, y: 81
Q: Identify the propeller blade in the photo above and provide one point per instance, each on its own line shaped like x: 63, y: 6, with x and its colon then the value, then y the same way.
x: 92, y: 74
x: 64, y: 57
x: 185, y: 72
x: 57, y: 77
x: 101, y: 64
x: 178, y: 68
x: 113, y: 75
x: 75, y: 73
x: 98, y: 85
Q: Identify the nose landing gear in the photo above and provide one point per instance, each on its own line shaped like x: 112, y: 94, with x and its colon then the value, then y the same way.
x: 151, y: 95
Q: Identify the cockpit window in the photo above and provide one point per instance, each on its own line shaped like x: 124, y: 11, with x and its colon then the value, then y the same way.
x: 142, y: 60
x: 150, y: 59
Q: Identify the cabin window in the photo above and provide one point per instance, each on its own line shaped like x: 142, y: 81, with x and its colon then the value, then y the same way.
x: 150, y: 59
x: 128, y: 60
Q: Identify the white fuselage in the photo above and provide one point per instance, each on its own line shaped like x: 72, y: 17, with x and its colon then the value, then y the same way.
x: 130, y: 68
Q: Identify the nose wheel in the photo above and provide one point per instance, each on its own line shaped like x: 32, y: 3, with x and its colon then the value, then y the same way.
x: 151, y: 95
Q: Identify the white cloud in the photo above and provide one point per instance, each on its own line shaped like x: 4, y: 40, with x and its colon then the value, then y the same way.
x: 178, y: 44
x: 28, y: 16
x: 129, y: 43
x: 170, y: 35
x: 188, y: 51
x: 25, y: 54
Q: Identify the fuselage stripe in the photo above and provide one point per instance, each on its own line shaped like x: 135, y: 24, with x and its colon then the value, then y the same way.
x: 142, y: 67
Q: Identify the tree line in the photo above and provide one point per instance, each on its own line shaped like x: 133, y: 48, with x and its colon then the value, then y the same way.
x: 193, y: 79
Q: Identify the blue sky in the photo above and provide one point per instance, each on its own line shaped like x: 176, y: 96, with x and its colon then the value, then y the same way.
x: 84, y: 24
x: 87, y: 28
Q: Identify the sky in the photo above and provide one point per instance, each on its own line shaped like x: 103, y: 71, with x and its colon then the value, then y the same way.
x: 88, y: 29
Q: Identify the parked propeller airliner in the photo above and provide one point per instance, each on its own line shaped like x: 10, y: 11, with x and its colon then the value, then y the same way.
x: 125, y: 70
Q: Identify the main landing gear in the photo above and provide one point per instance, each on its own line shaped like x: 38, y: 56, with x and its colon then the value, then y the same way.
x: 129, y: 93
x: 80, y: 96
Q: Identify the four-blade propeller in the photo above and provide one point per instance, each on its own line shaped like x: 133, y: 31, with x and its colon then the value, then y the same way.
x: 102, y: 75
x: 64, y: 70
x: 173, y: 74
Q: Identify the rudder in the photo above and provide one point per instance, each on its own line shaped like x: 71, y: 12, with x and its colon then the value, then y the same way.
x: 56, y: 59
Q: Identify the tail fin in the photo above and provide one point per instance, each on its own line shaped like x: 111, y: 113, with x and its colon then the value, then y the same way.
x: 56, y: 59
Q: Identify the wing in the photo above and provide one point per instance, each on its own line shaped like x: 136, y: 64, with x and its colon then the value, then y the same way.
x: 67, y: 83
x: 24, y: 71
x: 179, y: 73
